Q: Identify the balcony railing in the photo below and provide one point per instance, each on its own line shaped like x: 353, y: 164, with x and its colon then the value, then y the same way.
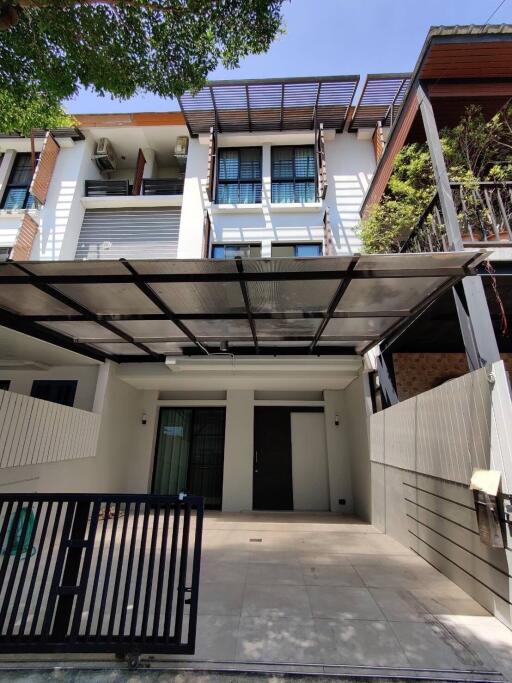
x: 117, y: 188
x: 171, y: 186
x: 484, y: 213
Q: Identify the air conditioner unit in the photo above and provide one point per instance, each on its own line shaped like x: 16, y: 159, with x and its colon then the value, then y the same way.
x: 181, y: 146
x: 105, y: 156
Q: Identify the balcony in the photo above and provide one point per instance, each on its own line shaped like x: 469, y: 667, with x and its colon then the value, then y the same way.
x: 119, y: 193
x: 485, y: 219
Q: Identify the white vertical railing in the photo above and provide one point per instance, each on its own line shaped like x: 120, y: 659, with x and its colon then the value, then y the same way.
x: 33, y: 431
x: 448, y: 431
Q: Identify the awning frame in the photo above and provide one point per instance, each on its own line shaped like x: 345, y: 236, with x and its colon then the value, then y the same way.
x: 31, y: 324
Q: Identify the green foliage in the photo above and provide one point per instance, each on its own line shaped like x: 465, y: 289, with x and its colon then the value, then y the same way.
x: 474, y: 150
x: 21, y: 115
x: 123, y: 46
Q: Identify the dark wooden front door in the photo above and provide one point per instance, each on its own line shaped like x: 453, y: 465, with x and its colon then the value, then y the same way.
x: 272, y: 482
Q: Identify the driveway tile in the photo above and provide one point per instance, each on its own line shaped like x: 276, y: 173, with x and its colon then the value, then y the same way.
x: 365, y: 643
x: 319, y: 574
x: 274, y: 573
x: 275, y: 600
x: 399, y: 604
x: 277, y: 640
x: 334, y: 602
x: 221, y: 599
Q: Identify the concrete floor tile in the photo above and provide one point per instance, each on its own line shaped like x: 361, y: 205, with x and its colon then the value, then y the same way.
x: 276, y: 600
x: 377, y: 576
x: 274, y: 573
x: 363, y: 643
x: 334, y: 602
x: 433, y: 646
x: 223, y: 572
x: 271, y: 639
x: 221, y: 598
x: 442, y: 602
x: 216, y: 637
x: 320, y: 574
x: 399, y: 604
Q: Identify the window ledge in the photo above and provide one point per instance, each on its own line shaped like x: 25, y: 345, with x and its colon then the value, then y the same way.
x: 236, y: 208
x: 9, y: 214
x: 296, y: 207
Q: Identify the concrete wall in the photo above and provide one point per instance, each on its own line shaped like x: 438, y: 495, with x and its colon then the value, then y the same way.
x: 358, y: 408
x: 350, y: 165
x: 423, y: 452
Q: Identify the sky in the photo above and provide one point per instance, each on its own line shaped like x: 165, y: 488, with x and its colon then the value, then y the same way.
x: 333, y: 37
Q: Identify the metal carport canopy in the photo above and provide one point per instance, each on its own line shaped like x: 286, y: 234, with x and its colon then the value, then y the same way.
x: 140, y: 310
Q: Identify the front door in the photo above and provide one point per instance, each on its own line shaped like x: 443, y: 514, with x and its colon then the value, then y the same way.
x: 272, y: 481
x: 190, y: 453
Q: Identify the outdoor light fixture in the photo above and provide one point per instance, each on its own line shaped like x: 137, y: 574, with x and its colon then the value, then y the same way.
x: 223, y: 346
x: 144, y: 419
x: 337, y: 420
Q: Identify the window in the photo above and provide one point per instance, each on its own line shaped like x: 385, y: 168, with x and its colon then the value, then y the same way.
x: 223, y: 251
x: 303, y: 249
x: 16, y: 193
x: 5, y: 384
x: 56, y: 390
x: 239, y: 176
x: 293, y: 175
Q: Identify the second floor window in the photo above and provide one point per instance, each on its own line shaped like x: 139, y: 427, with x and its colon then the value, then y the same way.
x: 293, y: 175
x: 226, y: 251
x: 239, y: 176
x: 16, y: 194
x: 300, y: 250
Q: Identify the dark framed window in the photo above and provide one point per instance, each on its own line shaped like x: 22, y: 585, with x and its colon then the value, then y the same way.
x: 56, y: 390
x: 293, y: 174
x: 223, y: 251
x: 16, y: 195
x: 299, y: 249
x: 5, y: 384
x: 239, y: 175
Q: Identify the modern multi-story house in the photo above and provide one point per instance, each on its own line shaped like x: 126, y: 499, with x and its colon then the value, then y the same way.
x: 184, y: 306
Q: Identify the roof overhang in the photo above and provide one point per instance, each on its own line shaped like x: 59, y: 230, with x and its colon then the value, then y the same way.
x: 139, y: 311
x: 269, y: 104
x: 380, y: 100
x: 471, y: 63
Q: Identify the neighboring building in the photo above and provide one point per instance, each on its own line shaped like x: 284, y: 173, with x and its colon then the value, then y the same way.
x: 181, y: 293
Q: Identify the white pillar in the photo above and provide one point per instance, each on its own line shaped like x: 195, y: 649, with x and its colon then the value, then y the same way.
x: 5, y: 169
x: 150, y: 165
x: 338, y: 455
x: 238, y: 451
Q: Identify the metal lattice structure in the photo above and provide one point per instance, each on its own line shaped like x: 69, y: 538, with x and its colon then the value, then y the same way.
x: 270, y: 104
x: 146, y: 310
x: 381, y: 100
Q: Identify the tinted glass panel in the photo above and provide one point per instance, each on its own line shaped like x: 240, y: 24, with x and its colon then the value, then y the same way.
x: 293, y: 175
x: 239, y: 176
x: 308, y: 250
x: 55, y: 390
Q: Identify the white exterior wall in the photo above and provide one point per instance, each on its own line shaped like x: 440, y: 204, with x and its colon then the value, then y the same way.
x: 21, y: 381
x: 350, y: 165
x: 62, y: 214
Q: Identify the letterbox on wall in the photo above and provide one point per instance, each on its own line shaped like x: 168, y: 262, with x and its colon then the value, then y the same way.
x: 485, y: 486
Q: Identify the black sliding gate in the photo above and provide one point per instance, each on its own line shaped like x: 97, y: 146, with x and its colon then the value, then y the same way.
x: 90, y: 573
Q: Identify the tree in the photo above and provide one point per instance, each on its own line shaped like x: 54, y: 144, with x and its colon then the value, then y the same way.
x: 21, y: 115
x: 475, y: 150
x: 51, y: 48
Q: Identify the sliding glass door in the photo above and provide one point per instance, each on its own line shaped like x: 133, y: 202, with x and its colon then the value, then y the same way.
x: 190, y: 453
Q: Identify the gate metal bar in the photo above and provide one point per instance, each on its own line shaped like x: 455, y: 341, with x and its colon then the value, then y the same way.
x: 89, y: 573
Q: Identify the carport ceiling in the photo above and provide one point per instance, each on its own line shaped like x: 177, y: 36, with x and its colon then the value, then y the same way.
x: 147, y: 310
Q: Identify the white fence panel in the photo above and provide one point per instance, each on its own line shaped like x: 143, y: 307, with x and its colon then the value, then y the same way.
x: 33, y: 431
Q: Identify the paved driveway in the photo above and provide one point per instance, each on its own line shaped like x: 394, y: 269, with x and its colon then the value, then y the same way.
x: 323, y: 589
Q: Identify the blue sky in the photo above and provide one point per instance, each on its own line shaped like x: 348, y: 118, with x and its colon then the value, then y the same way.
x: 325, y: 37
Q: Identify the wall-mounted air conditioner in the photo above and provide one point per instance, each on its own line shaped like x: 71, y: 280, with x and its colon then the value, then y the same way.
x: 105, y: 156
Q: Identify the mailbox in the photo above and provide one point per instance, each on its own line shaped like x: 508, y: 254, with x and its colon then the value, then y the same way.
x: 485, y: 486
